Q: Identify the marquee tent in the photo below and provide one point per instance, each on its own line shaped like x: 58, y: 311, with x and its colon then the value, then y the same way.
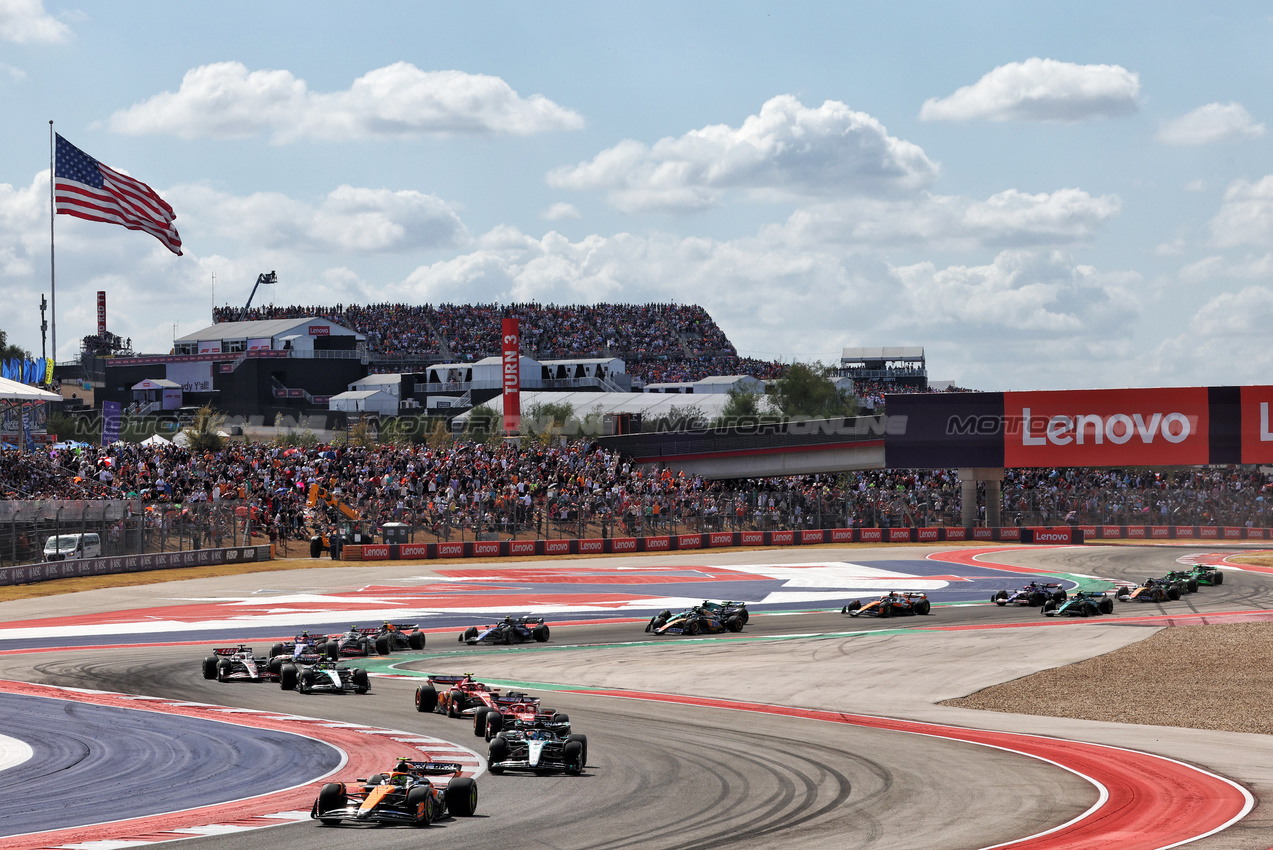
x: 13, y: 391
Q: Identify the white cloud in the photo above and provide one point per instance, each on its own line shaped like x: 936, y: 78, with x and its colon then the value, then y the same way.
x: 1021, y: 293
x: 1246, y: 214
x: 26, y: 22
x: 1196, y: 186
x: 1226, y: 341
x: 348, y: 219
x: 1215, y: 268
x: 560, y: 212
x: 1173, y: 248
x: 1215, y: 122
x: 225, y: 100
x: 1008, y: 218
x: 1041, y: 90
x: 787, y: 150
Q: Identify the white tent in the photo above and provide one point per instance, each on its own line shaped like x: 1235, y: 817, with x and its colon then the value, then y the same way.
x: 13, y: 391
x: 155, y: 440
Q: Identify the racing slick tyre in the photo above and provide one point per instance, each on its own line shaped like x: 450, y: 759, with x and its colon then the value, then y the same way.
x: 274, y: 665
x: 307, y: 681
x: 494, y: 723
x: 1192, y: 585
x: 1217, y: 578
x: 692, y: 627
x: 426, y: 698
x: 1105, y: 606
x: 223, y: 670
x: 1049, y: 608
x: 573, y: 752
x: 1036, y: 599
x: 468, y: 634
x: 276, y: 649
x: 505, y: 635
x: 455, y: 704
x: 362, y: 682
x: 479, y: 721
x: 852, y: 608
x: 734, y: 624
x: 416, y: 639
x: 461, y: 796
x: 561, y: 717
x: 287, y: 677
x: 382, y: 645
x: 1173, y: 593
x: 210, y: 667
x: 420, y: 803
x: 923, y: 607
x: 331, y: 797
x: 1000, y: 598
x: 583, y: 741
x: 885, y: 610
x: 332, y: 650
x: 743, y: 613
x: 540, y: 633
x: 1123, y: 594
x: 497, y: 752
x: 1060, y: 596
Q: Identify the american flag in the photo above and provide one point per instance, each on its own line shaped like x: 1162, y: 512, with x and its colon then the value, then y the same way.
x: 85, y: 188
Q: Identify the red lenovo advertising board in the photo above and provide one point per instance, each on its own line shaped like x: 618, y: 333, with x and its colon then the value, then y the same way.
x: 1143, y: 427
x: 1257, y: 427
x: 511, y: 340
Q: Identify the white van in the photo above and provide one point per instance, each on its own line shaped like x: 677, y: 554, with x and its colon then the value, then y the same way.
x: 68, y: 547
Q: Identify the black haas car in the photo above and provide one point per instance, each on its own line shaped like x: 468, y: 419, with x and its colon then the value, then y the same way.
x: 238, y: 663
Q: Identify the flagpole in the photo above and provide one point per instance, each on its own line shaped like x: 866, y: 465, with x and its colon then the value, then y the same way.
x: 52, y: 273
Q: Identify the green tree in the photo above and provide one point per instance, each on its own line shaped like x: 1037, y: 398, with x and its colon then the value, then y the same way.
x: 484, y: 424
x: 546, y: 419
x: 11, y: 352
x: 805, y: 392
x: 680, y: 419
x: 743, y: 408
x: 204, y: 433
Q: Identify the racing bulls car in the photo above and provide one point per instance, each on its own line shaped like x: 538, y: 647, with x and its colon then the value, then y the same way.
x: 890, y: 605
x: 537, y: 747
x: 1085, y: 603
x: 302, y: 644
x: 238, y: 663
x: 409, y: 794
x: 510, y: 630
x: 1151, y: 590
x: 708, y: 618
x: 400, y: 636
x: 1033, y: 594
x: 314, y: 674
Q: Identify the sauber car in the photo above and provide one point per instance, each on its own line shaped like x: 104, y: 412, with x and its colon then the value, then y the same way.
x: 314, y: 674
x: 538, y: 747
x: 1033, y: 594
x: 238, y: 663
x: 893, y: 604
x: 1207, y: 575
x: 708, y: 618
x: 413, y: 793
x: 1151, y: 590
x: 509, y: 630
x: 1085, y: 603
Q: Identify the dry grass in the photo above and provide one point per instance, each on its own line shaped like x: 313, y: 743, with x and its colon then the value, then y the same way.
x: 1253, y: 560
x: 1198, y: 677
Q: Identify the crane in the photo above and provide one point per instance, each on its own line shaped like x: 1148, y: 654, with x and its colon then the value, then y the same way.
x: 270, y: 279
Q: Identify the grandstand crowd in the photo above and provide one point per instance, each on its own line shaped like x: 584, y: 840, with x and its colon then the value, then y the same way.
x: 466, y: 489
x: 659, y: 342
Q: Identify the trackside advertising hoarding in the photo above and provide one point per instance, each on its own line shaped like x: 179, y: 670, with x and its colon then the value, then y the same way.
x: 1165, y: 426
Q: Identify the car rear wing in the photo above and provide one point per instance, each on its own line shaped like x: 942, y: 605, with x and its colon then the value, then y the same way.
x: 435, y: 768
x: 530, y: 621
x: 232, y: 650
x: 450, y: 678
x: 309, y: 658
x: 405, y: 626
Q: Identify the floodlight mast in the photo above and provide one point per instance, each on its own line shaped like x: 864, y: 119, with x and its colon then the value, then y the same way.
x: 271, y: 278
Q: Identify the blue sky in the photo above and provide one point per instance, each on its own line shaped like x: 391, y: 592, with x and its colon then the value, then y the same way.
x: 1076, y: 195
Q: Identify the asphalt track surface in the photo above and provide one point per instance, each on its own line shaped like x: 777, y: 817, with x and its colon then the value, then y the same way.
x: 668, y: 774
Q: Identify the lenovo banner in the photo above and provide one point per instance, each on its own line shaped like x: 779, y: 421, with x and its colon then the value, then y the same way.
x: 1142, y: 427
x: 101, y: 313
x: 511, y: 340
